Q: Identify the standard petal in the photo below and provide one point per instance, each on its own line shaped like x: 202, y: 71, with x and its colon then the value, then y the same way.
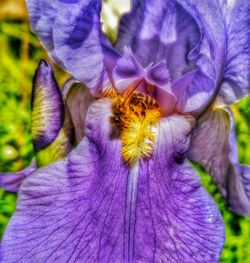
x: 236, y: 77
x: 91, y: 207
x: 77, y: 100
x: 78, y: 42
x: 227, y: 31
x: 42, y: 16
x: 159, y: 30
x: 12, y: 181
x: 214, y: 146
x: 47, y: 107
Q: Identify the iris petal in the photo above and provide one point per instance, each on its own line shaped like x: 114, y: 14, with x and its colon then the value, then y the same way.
x: 77, y: 39
x: 130, y: 73
x: 47, y: 107
x: 169, y: 32
x: 77, y: 100
x: 52, y: 131
x: 92, y: 207
x: 70, y: 31
x: 60, y: 146
x: 214, y: 146
x: 42, y: 17
x: 237, y: 69
x: 157, y: 30
x: 12, y: 181
x: 225, y: 27
x: 127, y: 70
x: 193, y: 91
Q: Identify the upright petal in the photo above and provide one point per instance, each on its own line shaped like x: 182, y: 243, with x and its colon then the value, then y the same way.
x: 236, y: 15
x: 214, y: 146
x: 78, y: 42
x: 12, y: 181
x: 91, y: 207
x: 158, y: 30
x: 71, y: 33
x: 227, y: 29
x: 42, y: 16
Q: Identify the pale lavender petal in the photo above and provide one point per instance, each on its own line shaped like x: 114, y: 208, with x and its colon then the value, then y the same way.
x: 158, y: 74
x: 77, y: 39
x: 127, y: 71
x: 193, y: 91
x: 12, y: 181
x: 214, y: 146
x: 91, y: 207
x: 153, y: 80
x: 77, y: 99
x: 47, y: 107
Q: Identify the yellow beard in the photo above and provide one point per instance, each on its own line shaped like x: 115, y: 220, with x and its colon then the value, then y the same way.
x: 135, y: 117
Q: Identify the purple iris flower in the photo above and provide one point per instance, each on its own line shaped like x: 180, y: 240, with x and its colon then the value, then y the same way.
x: 114, y: 182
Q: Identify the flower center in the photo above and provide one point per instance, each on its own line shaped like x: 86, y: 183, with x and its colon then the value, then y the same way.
x: 135, y: 116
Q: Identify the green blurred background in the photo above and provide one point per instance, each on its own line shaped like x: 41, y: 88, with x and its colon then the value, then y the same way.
x: 20, y: 52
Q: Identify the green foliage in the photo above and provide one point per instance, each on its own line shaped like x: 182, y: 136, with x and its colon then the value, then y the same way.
x: 20, y: 53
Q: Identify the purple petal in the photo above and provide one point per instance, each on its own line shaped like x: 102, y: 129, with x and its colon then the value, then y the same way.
x: 207, y: 16
x: 193, y: 91
x: 214, y: 146
x: 158, y: 75
x: 153, y: 80
x: 77, y: 100
x: 12, y: 181
x: 90, y: 207
x: 165, y: 30
x: 238, y: 189
x: 60, y: 147
x: 159, y: 30
x: 42, y: 16
x: 127, y: 70
x: 237, y: 67
x: 47, y: 107
x: 225, y: 25
x: 77, y: 40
